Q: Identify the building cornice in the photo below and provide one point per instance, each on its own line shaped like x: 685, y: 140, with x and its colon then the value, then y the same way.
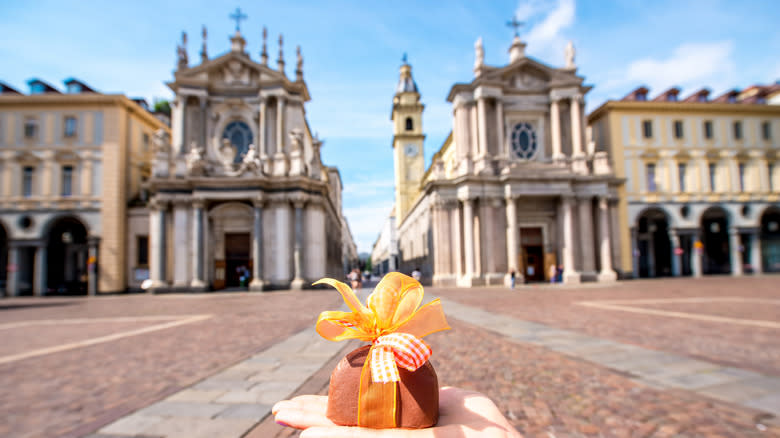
x: 49, y: 100
x: 680, y: 107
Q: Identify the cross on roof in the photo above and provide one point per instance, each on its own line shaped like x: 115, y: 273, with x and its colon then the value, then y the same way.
x: 238, y: 16
x: 403, y: 59
x: 515, y: 24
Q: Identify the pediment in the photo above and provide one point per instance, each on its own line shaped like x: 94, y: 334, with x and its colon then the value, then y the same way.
x: 66, y: 156
x: 27, y: 157
x: 230, y: 70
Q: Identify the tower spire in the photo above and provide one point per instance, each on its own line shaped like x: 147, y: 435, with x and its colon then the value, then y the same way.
x: 280, y: 61
x: 406, y: 82
x: 204, y: 56
x: 264, y: 52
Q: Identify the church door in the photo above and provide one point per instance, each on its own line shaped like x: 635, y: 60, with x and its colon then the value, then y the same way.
x: 533, y: 252
x: 237, y: 265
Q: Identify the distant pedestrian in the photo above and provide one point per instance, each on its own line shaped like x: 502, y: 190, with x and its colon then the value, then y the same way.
x: 512, y: 275
x: 553, y: 273
x: 416, y: 274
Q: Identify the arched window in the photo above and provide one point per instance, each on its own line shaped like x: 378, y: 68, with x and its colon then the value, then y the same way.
x: 240, y: 136
x: 409, y: 124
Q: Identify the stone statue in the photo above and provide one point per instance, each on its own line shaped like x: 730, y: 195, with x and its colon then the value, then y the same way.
x: 570, y: 52
x: 195, y: 159
x: 296, y: 140
x: 181, y: 52
x: 161, y: 142
x: 251, y: 162
x: 226, y: 154
x: 162, y: 148
x: 479, y: 54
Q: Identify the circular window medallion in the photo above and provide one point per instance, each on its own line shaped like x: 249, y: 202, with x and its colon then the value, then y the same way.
x: 524, y: 141
x: 685, y: 211
x: 240, y: 137
x: 25, y: 222
x: 745, y: 210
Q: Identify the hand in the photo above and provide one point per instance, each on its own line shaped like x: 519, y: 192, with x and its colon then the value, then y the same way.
x: 462, y: 413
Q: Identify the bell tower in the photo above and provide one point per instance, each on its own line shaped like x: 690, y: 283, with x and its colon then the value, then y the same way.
x: 408, y: 157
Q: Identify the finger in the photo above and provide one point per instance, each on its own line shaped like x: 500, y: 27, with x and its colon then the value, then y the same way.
x: 363, y: 432
x: 307, y: 402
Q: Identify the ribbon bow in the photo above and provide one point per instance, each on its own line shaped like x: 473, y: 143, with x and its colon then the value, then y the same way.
x: 394, y: 325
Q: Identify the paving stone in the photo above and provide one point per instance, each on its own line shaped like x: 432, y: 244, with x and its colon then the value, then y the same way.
x: 250, y: 411
x: 739, y: 391
x: 131, y: 425
x: 224, y: 385
x: 196, y: 395
x: 769, y: 403
x: 201, y: 428
x: 240, y: 397
x: 183, y: 409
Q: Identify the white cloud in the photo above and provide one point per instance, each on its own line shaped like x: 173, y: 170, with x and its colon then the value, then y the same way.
x: 691, y: 65
x: 547, y: 21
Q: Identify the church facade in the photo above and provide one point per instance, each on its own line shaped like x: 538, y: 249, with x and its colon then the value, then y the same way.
x: 238, y: 195
x: 516, y: 186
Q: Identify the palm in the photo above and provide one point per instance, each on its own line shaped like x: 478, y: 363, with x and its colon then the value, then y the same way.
x: 461, y: 413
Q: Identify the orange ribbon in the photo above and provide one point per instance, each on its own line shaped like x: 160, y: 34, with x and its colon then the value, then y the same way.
x: 393, y: 307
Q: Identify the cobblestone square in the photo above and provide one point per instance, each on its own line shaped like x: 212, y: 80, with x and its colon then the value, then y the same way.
x: 650, y: 359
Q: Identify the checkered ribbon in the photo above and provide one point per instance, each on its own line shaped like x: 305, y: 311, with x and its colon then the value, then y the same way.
x: 403, y: 349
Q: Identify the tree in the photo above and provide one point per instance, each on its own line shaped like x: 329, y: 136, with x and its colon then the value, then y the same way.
x: 162, y: 106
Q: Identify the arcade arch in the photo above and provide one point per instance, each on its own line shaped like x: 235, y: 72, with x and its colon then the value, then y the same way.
x: 716, y: 256
x: 653, y: 245
x: 66, y: 257
x: 770, y: 240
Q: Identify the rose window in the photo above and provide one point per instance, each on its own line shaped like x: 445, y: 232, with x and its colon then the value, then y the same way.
x: 524, y: 141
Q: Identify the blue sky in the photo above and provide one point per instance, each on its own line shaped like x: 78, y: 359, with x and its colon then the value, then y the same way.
x: 352, y: 51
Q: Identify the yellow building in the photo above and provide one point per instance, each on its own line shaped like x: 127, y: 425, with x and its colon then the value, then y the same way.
x: 702, y: 180
x: 70, y: 163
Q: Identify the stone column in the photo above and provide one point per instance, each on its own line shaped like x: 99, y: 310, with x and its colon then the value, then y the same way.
x: 555, y: 131
x: 634, y: 253
x: 501, y: 148
x: 280, y: 160
x: 674, y: 239
x: 438, y: 230
x: 257, y: 282
x: 181, y: 243
x: 578, y: 162
x: 157, y: 244
x: 512, y: 241
x: 12, y: 279
x: 198, y: 231
x: 735, y: 249
x: 94, y: 268
x: 176, y: 122
x: 607, y: 274
x: 570, y: 275
x: 576, y: 128
x: 755, y: 252
x: 457, y: 255
x: 297, y: 283
x: 482, y: 126
x: 587, y: 249
x: 40, y: 270
x: 261, y: 131
x: 468, y: 240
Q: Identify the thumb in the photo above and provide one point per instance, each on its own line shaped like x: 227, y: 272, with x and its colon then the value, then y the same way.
x: 362, y: 432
